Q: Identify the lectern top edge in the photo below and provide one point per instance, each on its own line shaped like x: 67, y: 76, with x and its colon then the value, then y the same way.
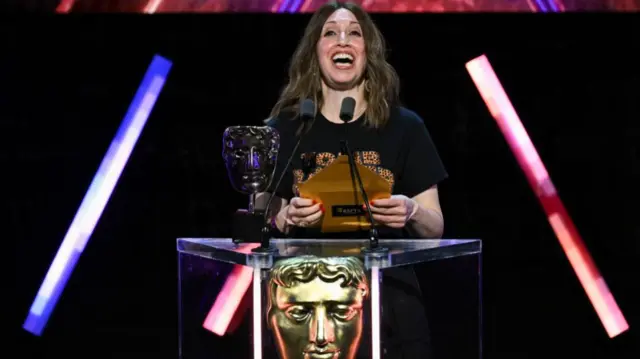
x: 401, y: 251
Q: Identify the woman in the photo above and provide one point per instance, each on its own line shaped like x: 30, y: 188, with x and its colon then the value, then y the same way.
x: 342, y: 54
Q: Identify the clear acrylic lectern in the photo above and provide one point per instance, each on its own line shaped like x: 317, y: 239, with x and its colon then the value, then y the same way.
x: 327, y: 299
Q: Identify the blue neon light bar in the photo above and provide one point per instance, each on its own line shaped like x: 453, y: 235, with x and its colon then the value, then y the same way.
x: 97, y: 196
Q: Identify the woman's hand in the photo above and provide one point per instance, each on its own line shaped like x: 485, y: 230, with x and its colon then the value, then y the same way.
x: 393, y: 212
x: 303, y: 212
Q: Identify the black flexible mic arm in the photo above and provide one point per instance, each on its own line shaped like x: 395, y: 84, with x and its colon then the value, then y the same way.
x: 307, y: 112
x: 373, y: 232
x: 346, y: 114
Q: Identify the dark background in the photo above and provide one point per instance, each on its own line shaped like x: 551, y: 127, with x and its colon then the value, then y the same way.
x: 67, y: 82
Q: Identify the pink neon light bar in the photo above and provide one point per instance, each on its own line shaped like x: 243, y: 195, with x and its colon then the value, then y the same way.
x: 152, y: 6
x: 228, y: 300
x: 505, y: 115
x: 65, y: 6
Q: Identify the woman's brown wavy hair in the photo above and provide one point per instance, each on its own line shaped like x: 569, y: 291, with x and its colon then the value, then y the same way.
x: 382, y: 85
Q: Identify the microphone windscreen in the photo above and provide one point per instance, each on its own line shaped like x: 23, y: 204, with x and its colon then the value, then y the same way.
x: 347, y: 109
x: 307, y: 110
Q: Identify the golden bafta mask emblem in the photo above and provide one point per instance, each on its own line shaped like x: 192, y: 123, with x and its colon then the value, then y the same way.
x: 315, y: 307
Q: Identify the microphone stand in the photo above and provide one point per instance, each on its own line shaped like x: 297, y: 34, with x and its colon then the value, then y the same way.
x: 307, y: 109
x: 265, y: 239
x: 373, y: 232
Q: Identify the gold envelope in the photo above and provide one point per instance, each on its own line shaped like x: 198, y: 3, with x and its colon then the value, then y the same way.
x: 341, y: 196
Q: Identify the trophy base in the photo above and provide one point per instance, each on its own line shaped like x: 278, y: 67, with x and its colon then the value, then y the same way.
x: 247, y: 226
x: 374, y: 249
x: 377, y: 251
x: 265, y: 250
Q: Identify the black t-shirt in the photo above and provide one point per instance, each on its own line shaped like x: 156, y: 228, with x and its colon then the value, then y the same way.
x: 403, y: 153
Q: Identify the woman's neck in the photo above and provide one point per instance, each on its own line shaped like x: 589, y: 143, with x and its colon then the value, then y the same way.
x: 332, y: 101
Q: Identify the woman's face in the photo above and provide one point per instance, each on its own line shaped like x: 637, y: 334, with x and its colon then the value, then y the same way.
x: 341, y: 50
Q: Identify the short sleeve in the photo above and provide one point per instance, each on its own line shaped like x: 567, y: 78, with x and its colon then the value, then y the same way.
x: 422, y: 167
x: 285, y: 188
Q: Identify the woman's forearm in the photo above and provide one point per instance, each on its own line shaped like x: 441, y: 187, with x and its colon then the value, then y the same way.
x: 426, y: 223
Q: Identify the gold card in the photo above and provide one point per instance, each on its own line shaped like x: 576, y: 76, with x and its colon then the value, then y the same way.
x: 341, y: 196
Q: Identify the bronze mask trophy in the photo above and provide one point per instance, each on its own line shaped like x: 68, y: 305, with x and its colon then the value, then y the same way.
x: 250, y: 154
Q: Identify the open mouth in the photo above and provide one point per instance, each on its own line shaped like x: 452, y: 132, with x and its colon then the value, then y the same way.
x: 322, y: 355
x: 342, y: 60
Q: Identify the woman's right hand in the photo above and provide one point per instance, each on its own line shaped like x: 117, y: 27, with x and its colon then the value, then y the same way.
x: 303, y: 212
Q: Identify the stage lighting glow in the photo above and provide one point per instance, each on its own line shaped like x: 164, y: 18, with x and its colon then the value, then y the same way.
x: 98, y: 195
x: 509, y: 123
x: 228, y: 300
x: 546, y: 5
x: 65, y: 6
x: 152, y: 6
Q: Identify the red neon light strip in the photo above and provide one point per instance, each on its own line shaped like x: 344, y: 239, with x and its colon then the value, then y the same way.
x: 305, y: 6
x: 152, y: 6
x: 230, y: 297
x: 276, y: 5
x: 505, y: 115
x: 65, y: 6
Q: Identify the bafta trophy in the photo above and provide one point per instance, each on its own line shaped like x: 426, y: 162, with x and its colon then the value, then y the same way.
x: 250, y: 154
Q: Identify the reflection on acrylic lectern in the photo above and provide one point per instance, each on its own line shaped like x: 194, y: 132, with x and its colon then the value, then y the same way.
x: 329, y: 298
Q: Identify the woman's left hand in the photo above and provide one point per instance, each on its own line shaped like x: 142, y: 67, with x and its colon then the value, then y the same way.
x: 395, y: 211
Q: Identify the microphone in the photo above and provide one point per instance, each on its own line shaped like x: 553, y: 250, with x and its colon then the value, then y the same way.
x: 307, y: 114
x: 347, y: 110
